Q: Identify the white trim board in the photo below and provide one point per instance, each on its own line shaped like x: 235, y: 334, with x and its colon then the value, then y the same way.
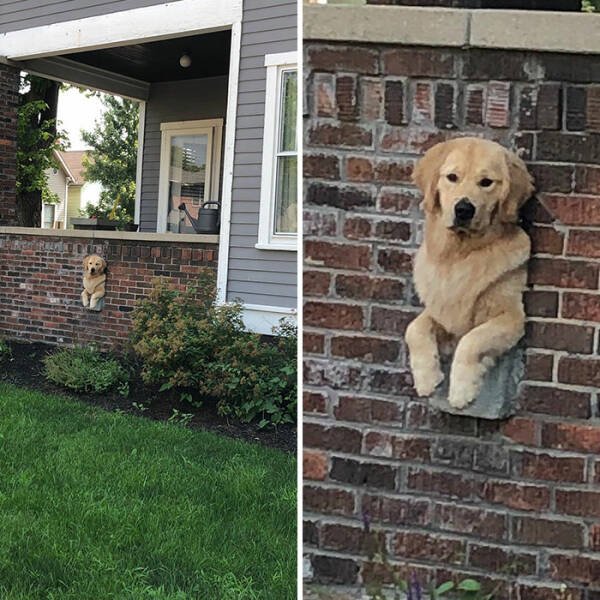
x: 140, y: 161
x: 161, y: 21
x: 261, y: 318
x: 228, y: 160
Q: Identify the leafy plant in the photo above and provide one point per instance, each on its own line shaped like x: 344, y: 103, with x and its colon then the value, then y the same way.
x: 84, y: 369
x: 5, y: 351
x: 180, y: 418
x: 190, y: 344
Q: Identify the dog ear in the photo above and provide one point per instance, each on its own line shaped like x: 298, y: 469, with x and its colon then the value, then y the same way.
x: 520, y: 188
x: 104, y: 265
x: 85, y: 258
x: 427, y: 172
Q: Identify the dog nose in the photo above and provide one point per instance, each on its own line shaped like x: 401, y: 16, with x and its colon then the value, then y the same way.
x: 92, y: 269
x: 464, y: 210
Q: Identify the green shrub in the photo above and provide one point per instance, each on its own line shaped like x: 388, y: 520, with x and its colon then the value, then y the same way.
x: 5, y: 352
x: 84, y: 369
x: 189, y: 343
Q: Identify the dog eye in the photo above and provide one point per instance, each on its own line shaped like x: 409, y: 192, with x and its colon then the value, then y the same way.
x: 453, y: 177
x: 485, y: 182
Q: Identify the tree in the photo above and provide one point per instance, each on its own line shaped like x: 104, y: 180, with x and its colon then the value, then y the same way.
x: 112, y: 160
x: 37, y: 138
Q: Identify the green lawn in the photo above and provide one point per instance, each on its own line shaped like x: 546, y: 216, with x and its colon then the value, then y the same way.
x: 96, y: 505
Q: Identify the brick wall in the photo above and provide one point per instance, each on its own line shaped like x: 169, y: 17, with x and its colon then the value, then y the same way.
x: 516, y: 502
x: 40, y: 284
x: 9, y: 88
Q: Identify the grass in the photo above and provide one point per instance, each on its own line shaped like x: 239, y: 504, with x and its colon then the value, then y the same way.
x: 97, y: 505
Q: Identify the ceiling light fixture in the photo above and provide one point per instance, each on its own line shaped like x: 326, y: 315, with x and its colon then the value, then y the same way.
x: 186, y: 60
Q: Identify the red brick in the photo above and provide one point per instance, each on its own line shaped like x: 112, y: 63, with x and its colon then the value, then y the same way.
x: 321, y: 166
x: 344, y: 538
x: 315, y: 402
x: 313, y: 343
x: 328, y: 501
x: 367, y: 349
x: 583, y: 243
x: 475, y: 104
x: 575, y: 568
x: 497, y: 104
x: 549, y: 106
x: 333, y: 316
x: 359, y: 169
x: 398, y: 511
x: 392, y: 200
x: 563, y: 273
x: 393, y: 172
x: 547, y: 532
x: 346, y: 92
x: 316, y: 283
x: 520, y: 496
x: 594, y: 537
x: 581, y: 306
x: 407, y: 545
x: 366, y: 410
x: 408, y: 140
x: 314, y: 465
x: 539, y: 367
x: 520, y: 430
x: 573, y: 210
x: 354, y: 59
x: 556, y: 402
x: 369, y: 475
x: 337, y: 196
x: 535, y: 591
x: 340, y: 256
x: 593, y: 108
x: 471, y: 521
x: 546, y: 240
x: 363, y: 287
x: 575, y: 117
x: 505, y: 560
x: 560, y: 336
x: 324, y: 94
x: 331, y: 569
x: 552, y: 468
x: 390, y: 320
x: 579, y: 371
x: 319, y: 224
x: 541, y: 304
x: 445, y: 106
x: 337, y: 438
x: 423, y: 102
x: 371, y: 99
x: 376, y: 443
x: 579, y: 503
x: 587, y: 179
x: 394, y: 102
x: 411, y: 62
x: 445, y: 484
x: 357, y: 228
x: 395, y: 261
x: 347, y: 135
x: 552, y: 178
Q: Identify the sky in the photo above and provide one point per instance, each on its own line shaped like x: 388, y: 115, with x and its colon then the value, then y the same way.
x: 76, y: 112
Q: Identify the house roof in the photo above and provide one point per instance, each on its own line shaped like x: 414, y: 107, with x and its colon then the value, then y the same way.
x: 72, y: 163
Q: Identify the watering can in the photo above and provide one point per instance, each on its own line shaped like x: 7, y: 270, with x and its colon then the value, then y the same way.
x: 209, y: 219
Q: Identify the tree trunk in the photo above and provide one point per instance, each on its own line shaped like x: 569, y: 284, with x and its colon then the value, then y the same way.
x: 29, y: 209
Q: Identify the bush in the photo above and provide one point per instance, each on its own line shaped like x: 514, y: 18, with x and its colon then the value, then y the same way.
x: 188, y: 343
x: 84, y: 369
x: 5, y: 352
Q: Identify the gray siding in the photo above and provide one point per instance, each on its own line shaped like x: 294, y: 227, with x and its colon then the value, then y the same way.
x: 257, y: 276
x: 22, y: 14
x: 174, y: 101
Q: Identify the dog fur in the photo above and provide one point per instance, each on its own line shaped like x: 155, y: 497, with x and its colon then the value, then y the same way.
x: 94, y: 278
x: 469, y: 276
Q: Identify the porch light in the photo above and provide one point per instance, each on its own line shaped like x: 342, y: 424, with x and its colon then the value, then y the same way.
x: 185, y: 61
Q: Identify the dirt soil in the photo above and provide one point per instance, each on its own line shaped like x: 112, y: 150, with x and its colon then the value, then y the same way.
x: 25, y: 369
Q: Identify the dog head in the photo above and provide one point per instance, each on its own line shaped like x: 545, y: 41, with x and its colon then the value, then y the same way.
x: 94, y: 265
x: 472, y: 183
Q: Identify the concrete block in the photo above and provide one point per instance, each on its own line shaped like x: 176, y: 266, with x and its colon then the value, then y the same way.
x: 498, y: 396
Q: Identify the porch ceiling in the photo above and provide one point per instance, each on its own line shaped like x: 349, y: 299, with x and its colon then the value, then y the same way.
x: 159, y: 61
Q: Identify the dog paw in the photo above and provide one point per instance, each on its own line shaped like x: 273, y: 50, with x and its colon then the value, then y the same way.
x: 425, y: 381
x: 464, y: 388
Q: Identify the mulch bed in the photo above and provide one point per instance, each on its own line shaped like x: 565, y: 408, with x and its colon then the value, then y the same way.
x: 25, y: 369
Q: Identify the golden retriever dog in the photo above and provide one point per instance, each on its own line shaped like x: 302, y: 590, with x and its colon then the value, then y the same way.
x: 94, y: 278
x: 470, y: 271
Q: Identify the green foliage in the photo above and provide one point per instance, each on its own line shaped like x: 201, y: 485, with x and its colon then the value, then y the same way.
x: 590, y: 5
x: 5, y: 352
x: 84, y: 369
x: 112, y: 160
x: 189, y: 343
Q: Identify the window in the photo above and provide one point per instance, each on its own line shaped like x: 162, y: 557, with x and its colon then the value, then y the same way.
x: 278, y: 226
x: 189, y: 172
x: 48, y: 211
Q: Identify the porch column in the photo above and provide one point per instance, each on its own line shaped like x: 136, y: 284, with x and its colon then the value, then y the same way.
x: 9, y: 91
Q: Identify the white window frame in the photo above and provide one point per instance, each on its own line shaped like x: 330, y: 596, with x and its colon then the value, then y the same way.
x: 276, y: 64
x: 214, y: 129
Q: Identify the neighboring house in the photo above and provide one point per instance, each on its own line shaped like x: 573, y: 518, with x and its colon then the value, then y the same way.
x: 217, y: 83
x: 68, y: 183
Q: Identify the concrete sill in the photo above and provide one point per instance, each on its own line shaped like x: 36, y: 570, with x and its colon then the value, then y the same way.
x: 188, y: 238
x: 540, y: 31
